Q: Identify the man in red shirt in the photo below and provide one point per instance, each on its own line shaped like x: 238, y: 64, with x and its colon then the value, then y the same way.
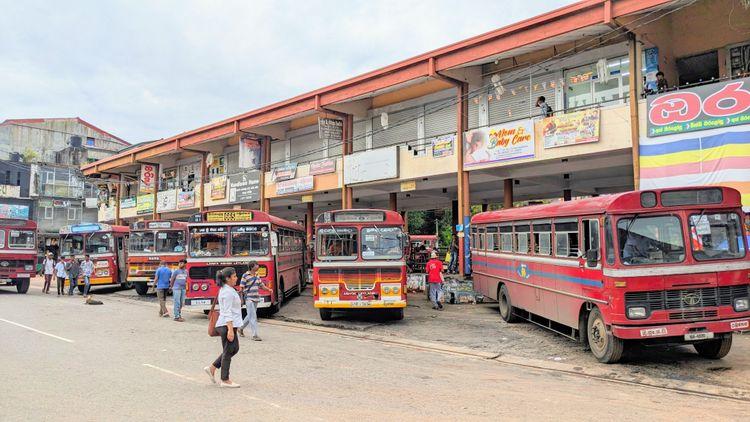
x: 434, y: 269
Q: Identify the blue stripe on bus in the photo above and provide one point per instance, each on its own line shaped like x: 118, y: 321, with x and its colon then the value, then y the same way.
x: 543, y: 274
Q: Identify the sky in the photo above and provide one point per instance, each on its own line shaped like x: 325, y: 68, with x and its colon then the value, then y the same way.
x: 145, y: 70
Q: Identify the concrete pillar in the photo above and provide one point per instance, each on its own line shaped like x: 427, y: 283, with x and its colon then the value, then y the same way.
x: 566, y: 194
x: 118, y: 199
x: 508, y: 193
x: 347, y: 148
x: 204, y: 176
x: 393, y: 201
x: 309, y: 222
x: 405, y: 216
x: 485, y: 207
x: 265, y: 166
x: 157, y: 172
x: 464, y: 196
x: 454, y: 215
x: 635, y: 81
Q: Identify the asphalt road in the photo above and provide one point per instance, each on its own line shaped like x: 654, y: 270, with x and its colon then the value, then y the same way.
x: 64, y: 360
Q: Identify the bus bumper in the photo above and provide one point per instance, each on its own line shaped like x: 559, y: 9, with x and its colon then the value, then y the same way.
x: 688, y: 331
x: 359, y: 304
x: 149, y: 280
x: 10, y: 279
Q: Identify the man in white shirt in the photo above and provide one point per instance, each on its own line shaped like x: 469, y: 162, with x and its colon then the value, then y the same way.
x: 87, y: 269
x: 61, y: 276
x: 49, y: 271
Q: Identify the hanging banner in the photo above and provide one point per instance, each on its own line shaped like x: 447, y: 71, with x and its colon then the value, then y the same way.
x: 249, y: 153
x: 186, y: 199
x: 144, y: 204
x: 323, y: 166
x: 284, y: 172
x: 331, y: 129
x: 703, y: 107
x: 14, y: 211
x: 10, y: 191
x: 442, y: 146
x: 127, y: 202
x: 301, y: 184
x: 219, y: 187
x: 651, y: 64
x: 579, y: 127
x: 244, y: 187
x: 374, y: 164
x: 507, y: 141
x: 147, y: 180
x: 166, y: 200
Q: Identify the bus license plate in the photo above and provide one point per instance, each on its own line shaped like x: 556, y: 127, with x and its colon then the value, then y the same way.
x: 701, y: 335
x: 200, y: 302
x: 359, y: 303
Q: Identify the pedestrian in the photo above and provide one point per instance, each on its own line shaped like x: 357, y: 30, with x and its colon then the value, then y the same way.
x: 74, y: 271
x: 250, y: 284
x: 178, y: 283
x: 544, y: 109
x: 87, y: 269
x: 661, y: 82
x: 161, y: 281
x: 49, y: 272
x: 453, y: 265
x: 434, y: 270
x: 230, y: 317
x: 61, y: 275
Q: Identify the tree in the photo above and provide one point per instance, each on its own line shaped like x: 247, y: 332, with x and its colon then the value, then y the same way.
x: 29, y: 155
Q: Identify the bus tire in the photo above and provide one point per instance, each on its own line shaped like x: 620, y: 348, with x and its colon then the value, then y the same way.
x: 397, y: 314
x: 22, y: 286
x: 141, y: 289
x: 604, y: 345
x: 81, y: 287
x: 280, y: 297
x: 126, y: 285
x: 325, y: 314
x: 716, y: 348
x: 505, y: 306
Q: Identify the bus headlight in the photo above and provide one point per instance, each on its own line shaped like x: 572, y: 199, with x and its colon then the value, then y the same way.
x: 387, y: 290
x: 102, y: 273
x: 204, y: 287
x: 742, y: 304
x: 334, y: 291
x: 195, y: 287
x: 324, y: 290
x: 637, y: 312
x: 395, y: 290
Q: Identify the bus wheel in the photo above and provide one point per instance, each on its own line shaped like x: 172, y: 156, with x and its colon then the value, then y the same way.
x: 505, y: 306
x: 279, y: 298
x: 325, y: 314
x: 397, y: 314
x: 141, y: 289
x: 80, y: 288
x: 126, y: 285
x: 22, y: 286
x: 606, y: 347
x: 716, y: 348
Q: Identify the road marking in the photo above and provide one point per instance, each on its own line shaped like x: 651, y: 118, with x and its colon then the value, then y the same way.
x: 37, y: 331
x: 167, y: 371
x: 263, y: 401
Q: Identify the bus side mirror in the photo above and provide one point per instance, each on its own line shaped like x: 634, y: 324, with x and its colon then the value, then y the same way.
x: 592, y: 257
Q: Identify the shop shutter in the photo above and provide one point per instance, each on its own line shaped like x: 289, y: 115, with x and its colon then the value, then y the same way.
x: 439, y: 118
x: 474, y: 104
x: 544, y: 85
x: 278, y: 153
x: 360, y: 139
x: 402, y: 128
x: 307, y: 147
x: 512, y: 105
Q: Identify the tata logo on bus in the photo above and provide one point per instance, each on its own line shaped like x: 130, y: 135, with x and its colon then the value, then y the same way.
x: 221, y: 216
x: 704, y: 107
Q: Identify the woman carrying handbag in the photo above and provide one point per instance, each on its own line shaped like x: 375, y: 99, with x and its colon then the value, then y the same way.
x: 228, y: 318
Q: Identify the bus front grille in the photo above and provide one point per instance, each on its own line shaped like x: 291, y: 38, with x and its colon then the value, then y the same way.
x: 660, y: 300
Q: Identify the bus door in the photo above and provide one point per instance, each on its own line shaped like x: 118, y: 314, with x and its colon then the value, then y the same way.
x: 274, y: 253
x: 121, y: 260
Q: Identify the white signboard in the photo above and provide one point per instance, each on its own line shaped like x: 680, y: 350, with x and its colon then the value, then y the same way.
x: 166, y: 200
x: 366, y: 166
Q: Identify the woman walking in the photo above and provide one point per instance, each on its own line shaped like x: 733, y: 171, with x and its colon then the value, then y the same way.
x: 250, y: 285
x: 230, y: 317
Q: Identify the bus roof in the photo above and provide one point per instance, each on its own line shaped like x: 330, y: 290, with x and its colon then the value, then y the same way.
x: 93, y: 227
x: 360, y: 216
x: 619, y: 203
x: 239, y: 216
x: 18, y: 222
x: 158, y: 225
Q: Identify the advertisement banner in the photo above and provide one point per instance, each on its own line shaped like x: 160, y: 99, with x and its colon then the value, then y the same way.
x: 249, y: 153
x: 10, y: 191
x: 14, y: 211
x: 367, y: 166
x: 166, y: 200
x: 219, y: 187
x: 704, y: 107
x: 579, y: 127
x: 442, y: 146
x: 127, y: 202
x: 323, y: 166
x: 147, y: 180
x: 144, y: 204
x: 244, y: 187
x: 284, y: 172
x: 301, y: 184
x: 186, y: 199
x: 507, y: 141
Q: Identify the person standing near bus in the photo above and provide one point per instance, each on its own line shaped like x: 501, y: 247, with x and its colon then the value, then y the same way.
x: 177, y: 283
x: 87, y: 269
x: 74, y: 271
x: 250, y: 284
x: 61, y: 275
x: 453, y: 265
x: 49, y: 272
x: 161, y: 280
x: 434, y: 269
x: 230, y: 317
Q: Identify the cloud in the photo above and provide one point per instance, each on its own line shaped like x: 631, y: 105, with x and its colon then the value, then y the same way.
x: 146, y: 70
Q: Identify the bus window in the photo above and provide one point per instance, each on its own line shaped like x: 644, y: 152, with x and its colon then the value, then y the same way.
x: 2, y: 238
x: 169, y: 241
x: 141, y: 242
x: 99, y: 243
x: 480, y: 238
x: 542, y: 234
x: 208, y: 241
x: 609, y: 241
x: 716, y: 236
x: 493, y: 239
x: 566, y: 239
x: 337, y: 243
x: 21, y: 239
x: 650, y: 240
x: 506, y: 238
x: 250, y: 240
x: 381, y: 243
x: 591, y: 237
x: 522, y: 238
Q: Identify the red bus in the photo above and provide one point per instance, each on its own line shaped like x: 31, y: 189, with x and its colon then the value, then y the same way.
x: 659, y: 266
x: 17, y: 253
x: 420, y: 246
x: 221, y: 239
x: 360, y: 262
x: 107, y: 246
x: 151, y: 242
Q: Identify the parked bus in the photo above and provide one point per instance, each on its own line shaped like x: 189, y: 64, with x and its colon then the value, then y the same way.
x: 106, y: 245
x: 659, y: 266
x: 221, y: 239
x: 17, y: 253
x: 149, y: 243
x: 360, y: 262
x: 420, y: 246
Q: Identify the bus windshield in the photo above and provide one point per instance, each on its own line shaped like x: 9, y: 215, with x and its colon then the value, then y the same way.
x: 716, y: 235
x: 170, y: 241
x: 72, y: 244
x: 381, y: 243
x: 337, y: 243
x: 21, y: 239
x: 249, y: 240
x: 650, y: 240
x: 99, y: 243
x: 141, y: 242
x: 208, y: 241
